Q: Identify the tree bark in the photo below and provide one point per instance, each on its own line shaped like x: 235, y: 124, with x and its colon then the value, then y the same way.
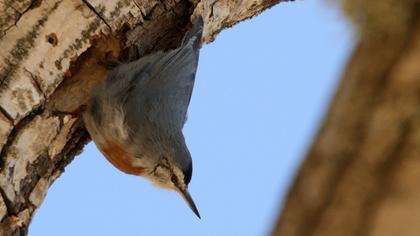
x: 49, y: 52
x: 362, y: 173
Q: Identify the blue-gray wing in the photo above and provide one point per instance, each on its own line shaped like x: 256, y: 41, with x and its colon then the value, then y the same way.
x: 161, y: 84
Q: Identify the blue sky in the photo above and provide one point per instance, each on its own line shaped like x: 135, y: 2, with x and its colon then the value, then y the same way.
x: 261, y: 91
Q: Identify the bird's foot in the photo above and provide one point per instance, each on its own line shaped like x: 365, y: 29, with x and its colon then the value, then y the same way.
x: 109, y: 61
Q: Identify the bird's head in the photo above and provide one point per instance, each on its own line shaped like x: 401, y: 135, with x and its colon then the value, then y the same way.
x: 173, y: 171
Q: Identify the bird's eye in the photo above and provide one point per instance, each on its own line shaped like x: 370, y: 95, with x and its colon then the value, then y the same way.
x: 174, y: 180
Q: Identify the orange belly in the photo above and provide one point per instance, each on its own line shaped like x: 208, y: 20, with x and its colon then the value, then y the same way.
x: 121, y: 159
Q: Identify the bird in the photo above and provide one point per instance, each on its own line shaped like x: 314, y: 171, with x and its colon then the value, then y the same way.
x: 136, y: 116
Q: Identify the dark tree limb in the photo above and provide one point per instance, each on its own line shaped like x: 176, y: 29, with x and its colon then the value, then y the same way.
x: 49, y: 53
x: 362, y: 173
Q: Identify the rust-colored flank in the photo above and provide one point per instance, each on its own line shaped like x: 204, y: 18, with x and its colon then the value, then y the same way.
x: 122, y: 160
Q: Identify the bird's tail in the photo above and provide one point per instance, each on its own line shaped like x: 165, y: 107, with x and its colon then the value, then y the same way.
x: 194, y: 35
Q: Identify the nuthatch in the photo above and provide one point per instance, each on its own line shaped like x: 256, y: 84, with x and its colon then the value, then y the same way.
x: 136, y: 116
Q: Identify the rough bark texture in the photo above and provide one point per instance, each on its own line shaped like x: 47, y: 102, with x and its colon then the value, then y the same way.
x: 362, y: 173
x: 48, y: 64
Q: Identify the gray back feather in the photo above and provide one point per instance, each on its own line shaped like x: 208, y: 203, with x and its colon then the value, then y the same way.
x: 156, y: 89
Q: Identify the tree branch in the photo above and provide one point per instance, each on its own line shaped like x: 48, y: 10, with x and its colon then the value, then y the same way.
x: 358, y: 177
x: 49, y: 52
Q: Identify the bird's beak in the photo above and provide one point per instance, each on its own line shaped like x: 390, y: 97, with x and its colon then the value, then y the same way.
x: 187, y: 197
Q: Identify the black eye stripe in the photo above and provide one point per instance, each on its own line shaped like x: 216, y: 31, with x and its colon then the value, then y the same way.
x: 174, y: 179
x: 165, y: 165
x: 188, y: 174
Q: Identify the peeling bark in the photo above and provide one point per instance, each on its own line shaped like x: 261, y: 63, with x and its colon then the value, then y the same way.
x: 361, y: 175
x: 49, y: 53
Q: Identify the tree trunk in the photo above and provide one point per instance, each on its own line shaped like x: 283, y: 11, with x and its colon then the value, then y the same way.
x: 362, y: 173
x: 49, y: 52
